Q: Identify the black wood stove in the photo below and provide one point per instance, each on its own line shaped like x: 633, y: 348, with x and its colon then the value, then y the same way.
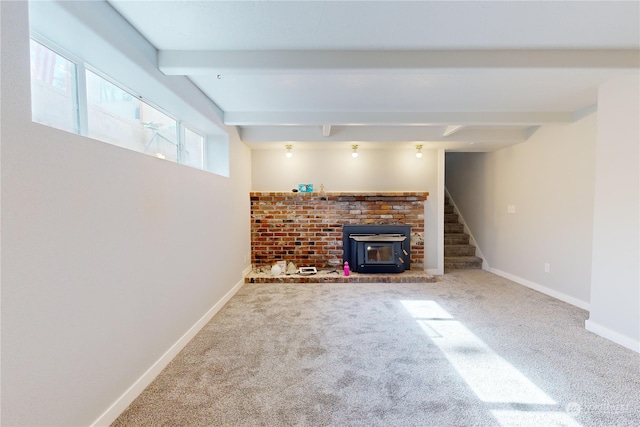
x: 377, y: 248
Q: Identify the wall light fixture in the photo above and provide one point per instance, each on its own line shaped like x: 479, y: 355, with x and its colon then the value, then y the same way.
x: 419, y: 150
x: 289, y: 154
x: 354, y: 150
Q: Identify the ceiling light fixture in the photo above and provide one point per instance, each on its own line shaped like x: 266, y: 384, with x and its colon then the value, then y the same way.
x: 289, y: 154
x: 354, y: 152
x: 419, y: 150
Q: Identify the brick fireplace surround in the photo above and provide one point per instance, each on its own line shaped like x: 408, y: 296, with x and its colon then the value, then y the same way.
x: 306, y: 228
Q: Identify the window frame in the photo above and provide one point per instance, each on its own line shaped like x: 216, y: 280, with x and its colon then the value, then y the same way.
x: 183, y: 147
x: 79, y: 92
x: 75, y: 94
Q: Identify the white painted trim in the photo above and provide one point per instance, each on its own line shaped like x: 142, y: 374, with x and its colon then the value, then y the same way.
x: 440, y: 222
x: 246, y: 271
x: 543, y: 289
x: 614, y: 336
x: 141, y: 383
x: 435, y: 271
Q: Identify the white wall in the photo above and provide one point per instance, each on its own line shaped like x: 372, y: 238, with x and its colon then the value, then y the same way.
x: 108, y: 256
x: 615, y: 285
x: 576, y: 191
x: 549, y: 179
x: 373, y: 170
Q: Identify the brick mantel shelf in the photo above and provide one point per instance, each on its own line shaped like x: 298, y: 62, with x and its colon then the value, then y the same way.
x: 419, y: 195
x: 306, y: 228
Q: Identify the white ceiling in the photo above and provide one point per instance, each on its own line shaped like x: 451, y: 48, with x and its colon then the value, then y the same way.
x: 379, y: 72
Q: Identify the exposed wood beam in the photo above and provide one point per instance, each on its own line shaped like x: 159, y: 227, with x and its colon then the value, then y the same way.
x: 178, y: 62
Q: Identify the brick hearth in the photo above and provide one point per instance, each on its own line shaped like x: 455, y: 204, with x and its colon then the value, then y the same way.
x: 334, y: 276
x: 306, y: 228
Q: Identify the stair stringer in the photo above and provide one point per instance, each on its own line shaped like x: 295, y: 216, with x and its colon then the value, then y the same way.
x: 472, y: 240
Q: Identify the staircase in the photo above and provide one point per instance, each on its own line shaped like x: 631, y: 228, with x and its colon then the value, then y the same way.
x: 458, y: 252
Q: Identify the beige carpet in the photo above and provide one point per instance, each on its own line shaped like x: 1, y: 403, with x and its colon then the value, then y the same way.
x: 471, y: 350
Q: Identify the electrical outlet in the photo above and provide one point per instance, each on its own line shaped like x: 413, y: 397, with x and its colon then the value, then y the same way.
x: 511, y: 209
x: 547, y: 267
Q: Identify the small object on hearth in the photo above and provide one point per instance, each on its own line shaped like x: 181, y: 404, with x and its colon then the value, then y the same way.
x: 346, y: 269
x: 291, y: 268
x: 276, y: 270
x: 307, y: 271
x: 295, y: 190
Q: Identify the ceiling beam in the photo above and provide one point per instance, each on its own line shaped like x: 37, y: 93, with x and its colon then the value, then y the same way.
x: 283, y: 118
x: 379, y: 133
x: 182, y: 62
x: 450, y: 130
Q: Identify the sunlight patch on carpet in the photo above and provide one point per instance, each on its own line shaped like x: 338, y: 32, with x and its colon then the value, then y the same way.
x: 492, y: 378
x: 535, y: 418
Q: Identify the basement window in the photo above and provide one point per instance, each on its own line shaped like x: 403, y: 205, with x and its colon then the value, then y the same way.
x: 117, y: 117
x: 67, y: 95
x: 192, y: 153
x: 53, y: 89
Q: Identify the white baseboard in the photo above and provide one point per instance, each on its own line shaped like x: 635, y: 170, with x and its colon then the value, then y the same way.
x: 141, y: 383
x: 247, y: 270
x: 614, y: 336
x: 543, y: 289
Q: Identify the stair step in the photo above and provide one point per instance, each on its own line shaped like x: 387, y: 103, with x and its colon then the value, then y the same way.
x: 456, y: 239
x: 451, y: 218
x: 462, y: 263
x: 458, y: 253
x: 453, y: 227
x: 459, y: 250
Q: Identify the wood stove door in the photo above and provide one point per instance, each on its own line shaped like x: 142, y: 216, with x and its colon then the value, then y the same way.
x: 379, y: 257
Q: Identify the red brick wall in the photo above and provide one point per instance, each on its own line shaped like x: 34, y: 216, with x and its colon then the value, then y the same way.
x: 307, y: 228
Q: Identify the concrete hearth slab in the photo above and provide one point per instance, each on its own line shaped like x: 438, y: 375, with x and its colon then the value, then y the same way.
x: 335, y: 276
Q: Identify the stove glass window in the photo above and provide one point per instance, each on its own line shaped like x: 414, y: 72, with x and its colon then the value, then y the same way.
x: 379, y: 253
